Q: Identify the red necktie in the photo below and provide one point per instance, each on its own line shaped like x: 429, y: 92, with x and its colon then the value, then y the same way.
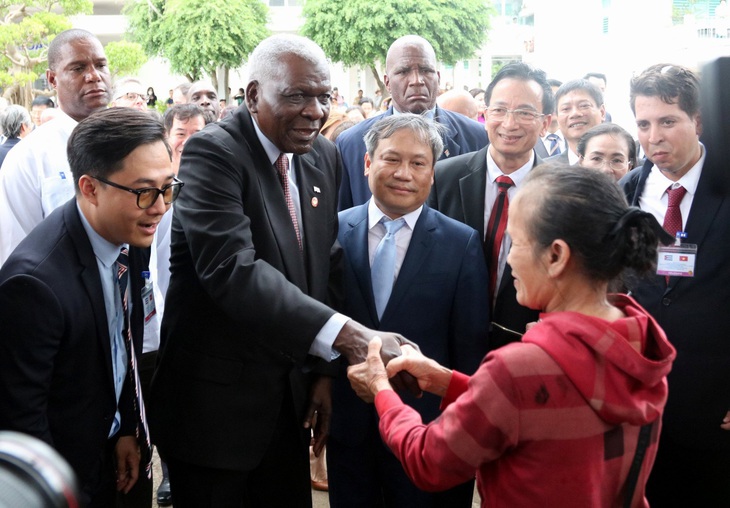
x: 495, y: 230
x: 673, y: 217
x: 282, y: 165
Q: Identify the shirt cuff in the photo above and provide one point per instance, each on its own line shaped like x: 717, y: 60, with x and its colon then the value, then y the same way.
x: 322, y: 345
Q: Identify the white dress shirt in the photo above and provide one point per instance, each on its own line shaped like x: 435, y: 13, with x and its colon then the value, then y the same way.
x: 491, y: 193
x: 654, y: 198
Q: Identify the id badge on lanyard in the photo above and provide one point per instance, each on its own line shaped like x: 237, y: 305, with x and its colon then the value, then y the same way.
x: 677, y: 260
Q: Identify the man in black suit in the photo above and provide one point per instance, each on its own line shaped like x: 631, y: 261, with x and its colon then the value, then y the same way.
x: 519, y: 105
x: 413, y: 82
x: 692, y: 466
x: 439, y: 298
x: 253, y: 247
x: 66, y: 371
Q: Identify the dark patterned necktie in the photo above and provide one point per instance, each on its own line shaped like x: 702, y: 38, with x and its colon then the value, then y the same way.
x: 282, y: 167
x: 123, y: 276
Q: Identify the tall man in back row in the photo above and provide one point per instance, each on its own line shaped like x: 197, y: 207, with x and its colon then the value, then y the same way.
x: 413, y: 82
x: 253, y: 247
x: 686, y: 187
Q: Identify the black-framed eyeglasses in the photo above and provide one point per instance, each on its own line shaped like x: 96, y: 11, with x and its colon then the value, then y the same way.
x: 147, y: 196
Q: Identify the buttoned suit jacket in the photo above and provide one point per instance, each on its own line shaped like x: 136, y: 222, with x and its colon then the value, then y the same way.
x: 439, y: 300
x: 458, y: 192
x: 462, y: 135
x: 244, y: 304
x: 692, y: 311
x: 56, y: 377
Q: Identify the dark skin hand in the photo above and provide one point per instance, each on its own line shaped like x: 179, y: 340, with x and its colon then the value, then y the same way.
x: 319, y: 412
x: 352, y: 343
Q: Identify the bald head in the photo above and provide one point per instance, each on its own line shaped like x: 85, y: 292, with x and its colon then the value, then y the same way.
x: 410, y: 74
x: 459, y: 101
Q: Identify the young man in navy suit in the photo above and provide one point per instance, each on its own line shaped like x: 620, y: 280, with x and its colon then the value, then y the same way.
x: 66, y: 368
x: 438, y: 297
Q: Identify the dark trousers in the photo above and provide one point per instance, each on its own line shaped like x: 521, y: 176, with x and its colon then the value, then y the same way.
x: 281, y: 480
x: 368, y: 475
x: 141, y: 494
x: 684, y: 476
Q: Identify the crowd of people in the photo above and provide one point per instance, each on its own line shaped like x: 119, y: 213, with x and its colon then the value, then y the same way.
x: 496, y: 287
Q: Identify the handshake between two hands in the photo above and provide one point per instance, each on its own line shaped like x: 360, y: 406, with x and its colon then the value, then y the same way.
x: 411, y: 370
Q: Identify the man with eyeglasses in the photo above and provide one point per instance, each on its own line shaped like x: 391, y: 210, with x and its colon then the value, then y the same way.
x: 35, y: 177
x: 579, y: 107
x: 69, y: 330
x: 476, y: 188
x: 129, y: 93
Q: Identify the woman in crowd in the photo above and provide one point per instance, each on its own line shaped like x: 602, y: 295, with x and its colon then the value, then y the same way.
x: 554, y: 420
x: 609, y: 148
x: 151, y: 97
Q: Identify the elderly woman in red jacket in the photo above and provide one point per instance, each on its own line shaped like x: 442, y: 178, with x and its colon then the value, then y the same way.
x: 556, y: 419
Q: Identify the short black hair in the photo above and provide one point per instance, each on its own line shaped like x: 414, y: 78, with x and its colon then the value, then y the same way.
x: 597, y: 75
x: 42, y: 100
x: 100, y: 143
x: 182, y: 112
x: 582, y: 85
x: 524, y: 72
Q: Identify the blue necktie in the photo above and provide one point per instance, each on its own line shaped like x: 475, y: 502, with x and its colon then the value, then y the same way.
x: 383, y: 269
x: 554, y: 144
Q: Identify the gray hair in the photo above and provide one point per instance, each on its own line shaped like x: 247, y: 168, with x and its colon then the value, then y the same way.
x: 270, y: 50
x: 425, y: 130
x: 13, y: 120
x: 121, y: 84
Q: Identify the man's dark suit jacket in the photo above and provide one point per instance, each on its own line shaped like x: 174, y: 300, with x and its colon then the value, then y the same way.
x: 693, y: 312
x: 439, y: 301
x: 244, y: 305
x: 5, y: 148
x: 56, y: 378
x: 562, y: 157
x: 462, y: 135
x: 458, y: 191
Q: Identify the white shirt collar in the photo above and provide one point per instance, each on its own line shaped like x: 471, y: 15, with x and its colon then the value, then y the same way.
x: 272, y: 152
x: 493, y: 170
x: 689, y: 180
x: 375, y: 214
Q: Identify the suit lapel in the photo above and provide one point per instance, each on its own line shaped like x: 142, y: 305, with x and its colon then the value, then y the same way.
x: 355, y: 243
x: 418, y: 251
x: 91, y: 281
x: 451, y: 137
x: 273, y: 200
x: 310, y: 182
x: 472, y: 188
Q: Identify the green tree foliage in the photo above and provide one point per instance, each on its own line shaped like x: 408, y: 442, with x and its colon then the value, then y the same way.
x: 26, y: 29
x: 198, y: 36
x: 125, y: 58
x: 361, y: 32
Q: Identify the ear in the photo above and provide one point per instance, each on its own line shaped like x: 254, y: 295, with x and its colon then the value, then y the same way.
x: 557, y: 257
x: 602, y: 109
x: 698, y: 123
x: 368, y: 162
x: 51, y: 78
x: 546, y: 120
x: 386, y: 82
x: 252, y: 96
x: 87, y: 189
